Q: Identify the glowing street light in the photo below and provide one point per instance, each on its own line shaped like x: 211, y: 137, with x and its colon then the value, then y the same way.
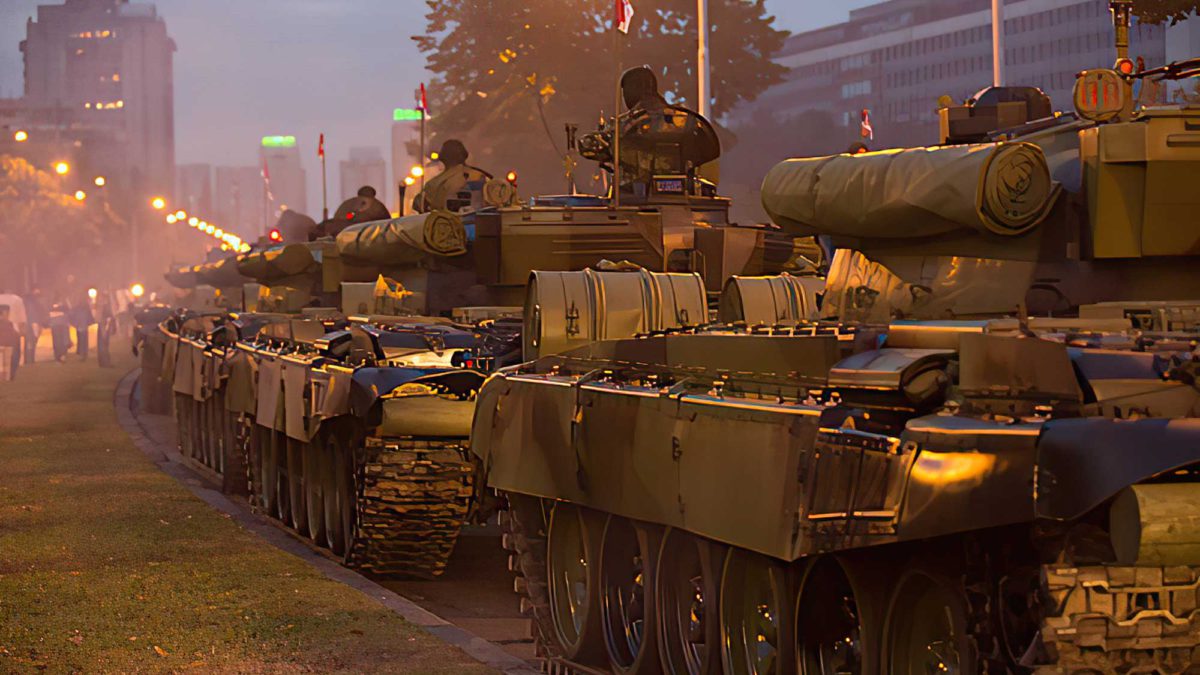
x: 62, y: 168
x: 409, y: 180
x: 171, y: 219
x: 158, y: 203
x: 418, y: 171
x: 92, y: 293
x: 193, y: 221
x: 101, y: 181
x: 180, y: 214
x: 80, y: 195
x: 137, y: 290
x: 21, y: 136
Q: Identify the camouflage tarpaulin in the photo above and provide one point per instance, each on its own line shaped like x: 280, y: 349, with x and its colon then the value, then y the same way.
x: 281, y: 262
x: 404, y: 240
x: 997, y: 188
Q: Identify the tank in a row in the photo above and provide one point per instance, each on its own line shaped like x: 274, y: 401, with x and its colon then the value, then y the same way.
x: 978, y: 452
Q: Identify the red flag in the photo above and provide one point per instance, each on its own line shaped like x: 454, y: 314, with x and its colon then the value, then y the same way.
x: 624, y: 16
x: 424, y: 101
x: 321, y: 147
x: 867, y: 130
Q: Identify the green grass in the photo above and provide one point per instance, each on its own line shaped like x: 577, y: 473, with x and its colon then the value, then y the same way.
x: 109, y: 565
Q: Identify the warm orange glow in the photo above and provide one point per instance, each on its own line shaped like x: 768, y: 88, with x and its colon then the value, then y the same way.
x: 80, y: 195
x: 137, y: 290
x: 101, y: 181
x: 158, y: 203
x: 21, y: 136
x: 181, y: 215
x: 171, y: 219
x: 418, y: 171
x: 62, y: 168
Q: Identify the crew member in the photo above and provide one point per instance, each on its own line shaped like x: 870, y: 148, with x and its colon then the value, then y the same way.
x: 440, y: 189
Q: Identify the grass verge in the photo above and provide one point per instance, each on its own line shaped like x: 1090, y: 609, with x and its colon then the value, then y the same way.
x: 107, y: 564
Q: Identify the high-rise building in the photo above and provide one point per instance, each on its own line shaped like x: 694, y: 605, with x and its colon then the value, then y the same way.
x: 287, y: 187
x: 365, y: 167
x: 239, y: 201
x: 106, y: 67
x: 406, y: 134
x: 194, y: 188
x: 897, y: 58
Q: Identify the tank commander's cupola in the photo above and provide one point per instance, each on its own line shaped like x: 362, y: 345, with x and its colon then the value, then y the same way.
x: 991, y: 110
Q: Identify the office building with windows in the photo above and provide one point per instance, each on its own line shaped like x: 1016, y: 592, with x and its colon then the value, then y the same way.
x: 897, y: 58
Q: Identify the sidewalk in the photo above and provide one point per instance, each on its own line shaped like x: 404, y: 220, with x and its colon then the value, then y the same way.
x: 108, y: 564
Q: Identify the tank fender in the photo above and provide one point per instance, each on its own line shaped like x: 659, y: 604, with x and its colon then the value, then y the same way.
x: 371, y: 385
x: 1081, y: 463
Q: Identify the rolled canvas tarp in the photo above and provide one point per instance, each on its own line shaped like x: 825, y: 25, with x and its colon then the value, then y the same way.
x: 404, y: 240
x: 280, y: 262
x: 221, y: 274
x: 995, y: 188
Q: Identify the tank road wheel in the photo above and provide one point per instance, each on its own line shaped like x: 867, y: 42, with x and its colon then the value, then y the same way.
x: 315, y: 470
x: 573, y: 572
x: 234, y: 451
x: 346, y: 478
x: 298, y: 518
x: 271, y: 477
x: 838, y: 612
x: 627, y: 557
x: 339, y: 493
x: 926, y: 628
x: 183, y: 430
x: 755, y: 615
x: 257, y: 443
x: 687, y: 597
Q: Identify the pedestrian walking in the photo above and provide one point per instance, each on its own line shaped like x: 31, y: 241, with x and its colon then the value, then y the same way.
x: 10, y: 345
x: 81, y: 318
x: 17, y: 317
x: 38, y: 318
x: 60, y: 329
x: 106, y: 327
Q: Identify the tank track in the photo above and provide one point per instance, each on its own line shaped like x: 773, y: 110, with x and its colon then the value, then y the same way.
x: 524, y: 537
x: 413, y: 499
x: 1121, y: 619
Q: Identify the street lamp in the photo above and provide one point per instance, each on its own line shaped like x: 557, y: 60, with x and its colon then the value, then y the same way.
x: 80, y: 195
x: 62, y: 168
x: 137, y: 290
x: 21, y: 136
x: 418, y: 171
x: 101, y: 181
x: 171, y: 219
x: 158, y: 203
x: 181, y: 215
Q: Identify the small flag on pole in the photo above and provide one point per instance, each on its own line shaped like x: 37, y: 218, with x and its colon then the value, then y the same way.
x: 867, y: 130
x: 321, y: 147
x: 424, y: 100
x: 624, y: 15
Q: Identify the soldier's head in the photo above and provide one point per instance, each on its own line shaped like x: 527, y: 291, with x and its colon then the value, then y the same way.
x: 3, y: 312
x: 453, y: 153
x: 367, y: 191
x: 637, y: 84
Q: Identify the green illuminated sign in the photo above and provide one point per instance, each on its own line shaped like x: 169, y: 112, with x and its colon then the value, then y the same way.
x: 279, y: 141
x: 406, y: 115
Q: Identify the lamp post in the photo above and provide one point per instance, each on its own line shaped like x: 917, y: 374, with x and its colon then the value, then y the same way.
x: 998, y: 43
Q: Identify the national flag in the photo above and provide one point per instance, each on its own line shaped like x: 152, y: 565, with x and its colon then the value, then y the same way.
x: 321, y: 147
x: 867, y: 130
x: 624, y: 17
x: 266, y: 174
x: 424, y: 100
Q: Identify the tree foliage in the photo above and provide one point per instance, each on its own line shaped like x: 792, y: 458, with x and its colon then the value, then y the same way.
x: 40, y: 225
x: 509, y: 75
x: 1161, y: 11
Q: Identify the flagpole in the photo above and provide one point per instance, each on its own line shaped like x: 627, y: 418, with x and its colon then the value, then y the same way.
x: 617, y: 114
x: 324, y: 184
x: 703, y: 65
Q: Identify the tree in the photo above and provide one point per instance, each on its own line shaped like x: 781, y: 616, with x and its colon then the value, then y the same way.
x: 41, y: 227
x: 1160, y: 11
x: 509, y: 75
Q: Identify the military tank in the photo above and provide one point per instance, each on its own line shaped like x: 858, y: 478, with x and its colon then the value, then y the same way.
x: 980, y: 453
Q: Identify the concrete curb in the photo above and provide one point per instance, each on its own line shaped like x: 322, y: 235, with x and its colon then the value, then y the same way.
x: 172, y: 463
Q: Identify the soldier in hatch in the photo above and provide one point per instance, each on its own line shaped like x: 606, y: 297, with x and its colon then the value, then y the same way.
x: 454, y: 179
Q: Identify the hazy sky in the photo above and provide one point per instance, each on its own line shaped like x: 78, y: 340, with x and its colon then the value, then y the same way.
x: 246, y: 69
